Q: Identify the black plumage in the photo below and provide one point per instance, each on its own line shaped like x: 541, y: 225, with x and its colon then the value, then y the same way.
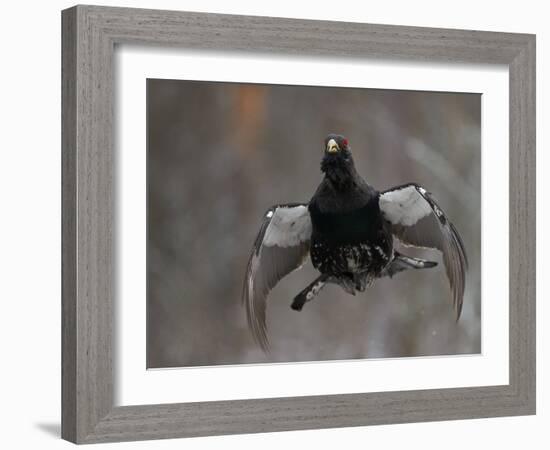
x: 350, y: 231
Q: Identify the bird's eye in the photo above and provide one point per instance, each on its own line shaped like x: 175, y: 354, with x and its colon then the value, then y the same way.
x: 345, y: 142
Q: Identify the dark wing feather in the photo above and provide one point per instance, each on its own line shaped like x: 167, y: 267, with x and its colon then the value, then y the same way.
x: 417, y: 220
x: 281, y: 246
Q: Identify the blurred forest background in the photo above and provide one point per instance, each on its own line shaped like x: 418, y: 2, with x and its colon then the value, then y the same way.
x: 220, y: 154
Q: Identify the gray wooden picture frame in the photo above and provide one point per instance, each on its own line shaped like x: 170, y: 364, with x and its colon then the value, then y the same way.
x: 90, y: 34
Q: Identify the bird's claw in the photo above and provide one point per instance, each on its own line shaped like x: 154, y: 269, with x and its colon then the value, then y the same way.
x: 348, y: 286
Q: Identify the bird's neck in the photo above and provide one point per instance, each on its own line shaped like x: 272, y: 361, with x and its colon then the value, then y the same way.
x: 342, y: 175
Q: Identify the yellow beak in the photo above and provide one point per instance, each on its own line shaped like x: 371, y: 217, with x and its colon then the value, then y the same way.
x: 332, y: 146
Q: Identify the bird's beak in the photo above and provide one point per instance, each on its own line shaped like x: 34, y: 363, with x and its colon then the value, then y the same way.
x: 332, y: 146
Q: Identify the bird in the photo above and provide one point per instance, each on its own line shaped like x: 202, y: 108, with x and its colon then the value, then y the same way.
x: 351, y: 232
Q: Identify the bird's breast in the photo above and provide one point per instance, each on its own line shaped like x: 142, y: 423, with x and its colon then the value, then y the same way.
x: 355, y: 225
x: 354, y: 241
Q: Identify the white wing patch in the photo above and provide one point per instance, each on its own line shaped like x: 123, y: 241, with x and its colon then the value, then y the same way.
x: 281, y: 246
x: 404, y: 206
x: 417, y: 220
x: 289, y: 226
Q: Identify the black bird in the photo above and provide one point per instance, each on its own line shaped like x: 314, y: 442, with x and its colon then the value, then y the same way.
x: 349, y: 229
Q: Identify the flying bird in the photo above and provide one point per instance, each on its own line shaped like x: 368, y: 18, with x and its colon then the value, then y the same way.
x: 350, y: 231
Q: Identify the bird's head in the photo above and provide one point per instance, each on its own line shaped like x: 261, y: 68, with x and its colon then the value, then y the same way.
x: 337, y: 146
x: 337, y: 163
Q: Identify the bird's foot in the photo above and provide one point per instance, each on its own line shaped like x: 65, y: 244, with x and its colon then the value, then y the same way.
x: 363, y: 281
x: 308, y: 293
x: 348, y: 284
x: 298, y: 303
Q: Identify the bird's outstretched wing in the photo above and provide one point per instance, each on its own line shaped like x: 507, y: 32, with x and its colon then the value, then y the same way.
x: 281, y: 247
x: 417, y: 220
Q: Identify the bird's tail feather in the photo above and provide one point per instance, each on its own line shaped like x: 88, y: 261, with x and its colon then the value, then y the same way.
x: 401, y: 262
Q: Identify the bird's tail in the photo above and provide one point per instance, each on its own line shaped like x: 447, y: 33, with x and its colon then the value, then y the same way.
x: 401, y: 262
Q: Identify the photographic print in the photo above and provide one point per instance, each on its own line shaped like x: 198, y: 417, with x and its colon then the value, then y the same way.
x: 305, y: 223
